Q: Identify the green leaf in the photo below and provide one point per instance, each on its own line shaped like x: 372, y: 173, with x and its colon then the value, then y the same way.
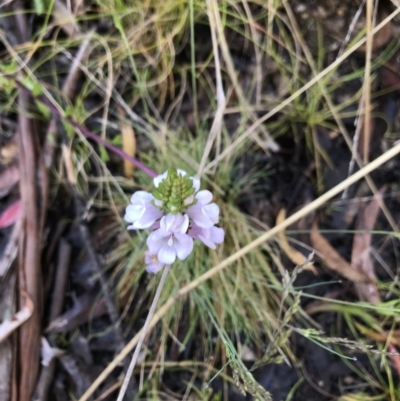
x: 43, y: 109
x: 9, y: 68
x: 104, y: 154
x: 33, y: 86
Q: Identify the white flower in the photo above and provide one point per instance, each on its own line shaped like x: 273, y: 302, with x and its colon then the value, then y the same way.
x: 152, y: 262
x: 208, y: 236
x: 203, y: 213
x: 141, y: 212
x: 170, y: 241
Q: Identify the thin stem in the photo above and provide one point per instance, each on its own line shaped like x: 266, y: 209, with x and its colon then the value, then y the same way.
x: 143, y: 334
x: 89, y: 134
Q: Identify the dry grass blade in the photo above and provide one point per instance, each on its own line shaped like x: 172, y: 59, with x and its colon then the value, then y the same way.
x: 337, y: 118
x: 237, y: 255
x: 360, y: 257
x: 367, y: 80
x: 216, y: 31
x: 295, y: 95
x: 333, y: 260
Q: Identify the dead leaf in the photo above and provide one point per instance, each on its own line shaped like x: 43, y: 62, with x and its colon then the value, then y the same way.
x: 9, y: 326
x: 333, y: 260
x: 128, y: 143
x: 382, y: 37
x: 65, y: 19
x: 8, y: 178
x: 393, y: 336
x: 360, y: 256
x: 295, y: 256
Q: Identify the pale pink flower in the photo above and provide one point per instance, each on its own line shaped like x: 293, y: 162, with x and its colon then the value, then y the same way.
x: 208, y: 236
x: 141, y: 212
x: 203, y: 213
x: 152, y: 262
x: 170, y: 241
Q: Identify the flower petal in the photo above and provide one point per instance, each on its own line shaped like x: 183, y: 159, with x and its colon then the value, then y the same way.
x: 167, y: 254
x: 133, y: 213
x: 184, y: 225
x: 174, y: 222
x: 204, y: 197
x: 154, y: 268
x: 181, y: 172
x: 156, y: 240
x: 141, y: 197
x: 217, y: 235
x: 196, y: 183
x: 199, y: 216
x: 183, y: 244
x: 157, y: 180
x: 149, y: 217
x: 212, y: 212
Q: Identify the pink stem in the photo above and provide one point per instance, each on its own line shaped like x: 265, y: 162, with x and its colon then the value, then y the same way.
x: 89, y: 134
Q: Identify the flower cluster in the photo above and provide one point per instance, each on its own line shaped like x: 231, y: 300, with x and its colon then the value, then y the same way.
x: 177, y: 212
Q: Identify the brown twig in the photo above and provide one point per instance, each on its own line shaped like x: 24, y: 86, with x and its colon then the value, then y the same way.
x: 63, y: 261
x: 29, y: 249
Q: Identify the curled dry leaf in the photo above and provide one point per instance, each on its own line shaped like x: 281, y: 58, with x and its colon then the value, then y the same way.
x: 333, y: 260
x: 360, y: 256
x: 9, y: 326
x: 295, y: 256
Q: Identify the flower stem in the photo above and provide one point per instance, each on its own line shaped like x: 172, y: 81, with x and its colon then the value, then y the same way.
x: 143, y: 334
x: 89, y: 134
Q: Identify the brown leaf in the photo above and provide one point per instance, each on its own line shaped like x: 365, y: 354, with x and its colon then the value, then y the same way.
x: 333, y: 260
x: 360, y: 256
x: 295, y: 256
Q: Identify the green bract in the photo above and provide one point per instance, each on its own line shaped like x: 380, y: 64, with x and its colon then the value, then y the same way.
x: 174, y: 192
